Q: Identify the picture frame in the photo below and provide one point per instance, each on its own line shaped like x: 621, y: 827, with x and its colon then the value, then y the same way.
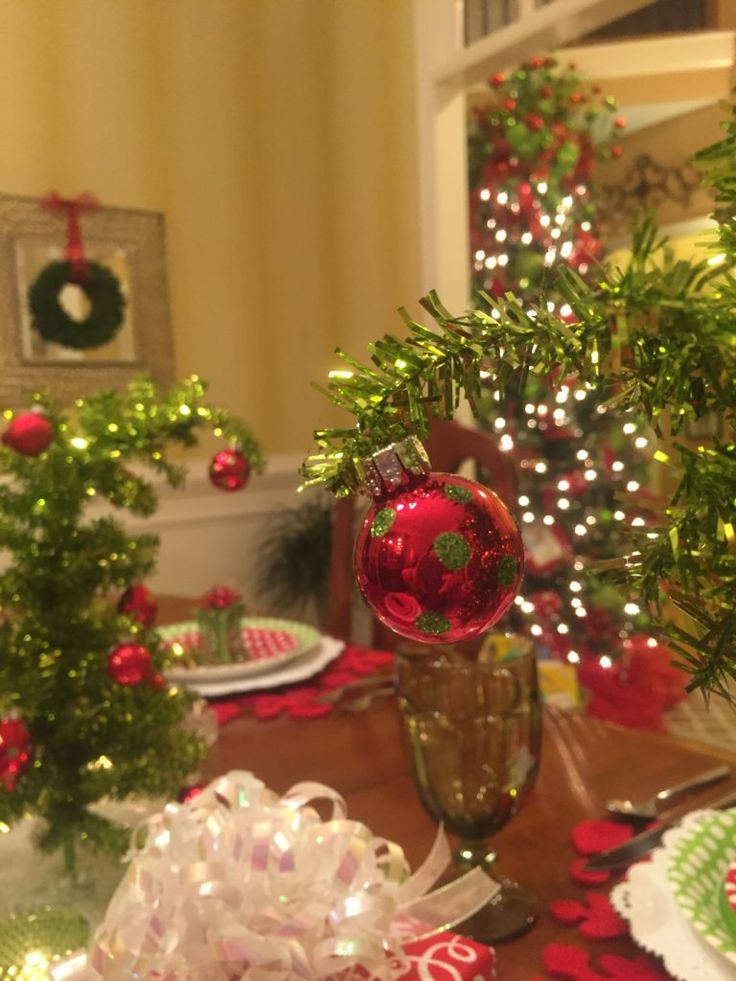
x: 132, y: 244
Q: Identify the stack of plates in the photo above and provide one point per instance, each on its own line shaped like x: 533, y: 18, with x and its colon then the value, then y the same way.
x: 681, y: 905
x: 279, y: 652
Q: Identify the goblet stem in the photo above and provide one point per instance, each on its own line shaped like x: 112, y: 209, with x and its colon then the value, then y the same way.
x: 511, y: 912
x: 472, y: 854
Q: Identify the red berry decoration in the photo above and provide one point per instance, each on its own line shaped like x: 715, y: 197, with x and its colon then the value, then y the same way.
x: 15, y: 751
x: 30, y: 433
x: 229, y: 470
x: 139, y: 603
x: 219, y: 598
x: 130, y: 665
x: 438, y: 557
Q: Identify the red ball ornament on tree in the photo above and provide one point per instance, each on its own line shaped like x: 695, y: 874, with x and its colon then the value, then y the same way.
x: 139, y: 603
x: 15, y: 751
x: 229, y: 470
x: 438, y: 557
x: 130, y: 665
x: 30, y: 433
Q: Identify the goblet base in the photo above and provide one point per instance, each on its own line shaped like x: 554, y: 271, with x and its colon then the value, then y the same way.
x: 511, y: 912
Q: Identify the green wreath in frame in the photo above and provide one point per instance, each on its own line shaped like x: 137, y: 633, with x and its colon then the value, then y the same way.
x: 107, y: 305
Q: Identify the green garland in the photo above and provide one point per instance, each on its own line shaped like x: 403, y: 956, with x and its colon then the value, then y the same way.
x: 54, y: 324
x: 655, y: 338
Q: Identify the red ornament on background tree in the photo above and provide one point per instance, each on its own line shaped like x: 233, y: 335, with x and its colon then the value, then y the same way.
x: 139, y: 603
x: 438, y: 558
x: 229, y: 470
x: 29, y: 433
x: 15, y: 751
x: 130, y: 664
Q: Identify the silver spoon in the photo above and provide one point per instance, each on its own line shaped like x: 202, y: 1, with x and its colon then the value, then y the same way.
x: 650, y: 808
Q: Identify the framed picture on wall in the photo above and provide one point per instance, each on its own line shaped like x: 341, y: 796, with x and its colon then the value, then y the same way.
x: 131, y: 244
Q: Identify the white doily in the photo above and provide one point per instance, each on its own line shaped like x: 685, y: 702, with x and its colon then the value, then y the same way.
x: 656, y: 922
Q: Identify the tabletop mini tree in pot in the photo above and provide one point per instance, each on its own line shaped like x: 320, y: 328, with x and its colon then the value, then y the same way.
x: 85, y: 711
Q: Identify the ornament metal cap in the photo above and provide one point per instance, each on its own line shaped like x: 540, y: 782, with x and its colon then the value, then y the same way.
x: 387, y: 469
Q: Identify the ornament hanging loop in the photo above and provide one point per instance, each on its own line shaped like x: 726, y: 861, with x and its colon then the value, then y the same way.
x: 74, y: 207
x: 391, y: 466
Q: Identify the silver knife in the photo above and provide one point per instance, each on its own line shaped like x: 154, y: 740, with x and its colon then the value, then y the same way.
x: 647, y: 841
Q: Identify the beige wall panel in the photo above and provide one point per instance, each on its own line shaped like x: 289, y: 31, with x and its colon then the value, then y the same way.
x: 278, y: 138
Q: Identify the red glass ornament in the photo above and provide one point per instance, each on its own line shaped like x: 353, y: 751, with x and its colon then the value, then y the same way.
x: 497, y: 80
x: 130, y: 664
x: 139, y: 603
x: 15, y: 751
x: 158, y: 681
x: 229, y: 470
x: 534, y: 121
x: 439, y: 558
x: 30, y: 433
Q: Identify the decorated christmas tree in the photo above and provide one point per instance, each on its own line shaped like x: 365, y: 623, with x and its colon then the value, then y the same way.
x: 534, y: 146
x: 85, y: 710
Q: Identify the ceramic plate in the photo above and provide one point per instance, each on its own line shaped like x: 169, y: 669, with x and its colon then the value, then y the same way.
x: 698, y: 865
x: 302, y: 667
x: 270, y: 644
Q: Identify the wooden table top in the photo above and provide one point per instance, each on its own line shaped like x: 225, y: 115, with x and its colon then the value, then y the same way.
x: 584, y: 762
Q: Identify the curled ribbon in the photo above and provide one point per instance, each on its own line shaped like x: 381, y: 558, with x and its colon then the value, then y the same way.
x: 74, y: 251
x: 239, y: 882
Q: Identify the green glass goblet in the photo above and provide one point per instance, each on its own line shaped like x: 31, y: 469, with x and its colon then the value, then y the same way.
x: 471, y: 716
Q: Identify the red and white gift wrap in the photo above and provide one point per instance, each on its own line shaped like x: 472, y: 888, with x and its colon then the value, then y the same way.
x: 238, y: 883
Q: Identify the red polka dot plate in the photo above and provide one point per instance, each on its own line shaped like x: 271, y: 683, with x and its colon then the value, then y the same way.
x: 268, y: 643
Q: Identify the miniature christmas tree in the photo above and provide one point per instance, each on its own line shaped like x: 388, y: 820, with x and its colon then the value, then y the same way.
x: 85, y: 712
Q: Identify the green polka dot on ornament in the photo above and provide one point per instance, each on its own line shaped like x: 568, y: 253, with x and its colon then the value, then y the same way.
x: 456, y: 493
x: 506, y: 571
x: 382, y: 522
x: 432, y: 623
x: 452, y: 550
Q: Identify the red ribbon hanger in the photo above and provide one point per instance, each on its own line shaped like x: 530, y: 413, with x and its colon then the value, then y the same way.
x: 74, y: 207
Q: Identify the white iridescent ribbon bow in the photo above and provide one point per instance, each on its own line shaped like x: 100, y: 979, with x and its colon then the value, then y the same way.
x: 239, y: 883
